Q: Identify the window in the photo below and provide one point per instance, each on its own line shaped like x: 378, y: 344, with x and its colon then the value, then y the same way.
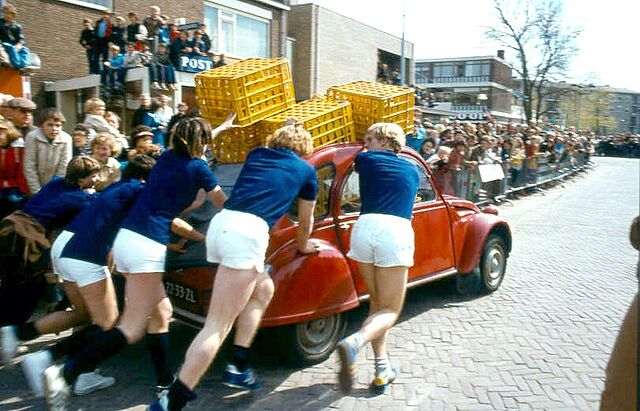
x: 326, y: 176
x: 443, y: 70
x: 476, y: 69
x: 236, y: 33
x: 350, y: 198
x: 94, y: 4
x: 425, y: 188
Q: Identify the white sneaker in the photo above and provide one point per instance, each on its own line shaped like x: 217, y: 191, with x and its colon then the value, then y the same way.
x: 9, y: 342
x: 92, y: 381
x: 33, y: 366
x: 56, y: 389
x: 155, y: 85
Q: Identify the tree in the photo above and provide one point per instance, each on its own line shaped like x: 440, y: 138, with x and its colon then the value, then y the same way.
x: 589, y: 109
x: 542, y: 43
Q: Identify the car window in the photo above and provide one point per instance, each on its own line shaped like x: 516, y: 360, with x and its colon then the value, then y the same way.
x: 350, y: 197
x: 425, y: 188
x: 326, y: 176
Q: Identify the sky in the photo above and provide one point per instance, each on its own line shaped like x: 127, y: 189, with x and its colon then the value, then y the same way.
x: 607, y: 48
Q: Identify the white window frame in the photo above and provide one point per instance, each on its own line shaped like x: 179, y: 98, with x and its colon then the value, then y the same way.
x: 89, y: 4
x: 236, y: 8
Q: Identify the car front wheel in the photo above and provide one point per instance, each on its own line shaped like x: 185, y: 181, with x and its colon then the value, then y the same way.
x: 487, y: 276
x: 312, y: 341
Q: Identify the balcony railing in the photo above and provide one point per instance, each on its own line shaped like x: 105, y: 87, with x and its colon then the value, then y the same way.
x: 463, y: 79
x: 469, y: 107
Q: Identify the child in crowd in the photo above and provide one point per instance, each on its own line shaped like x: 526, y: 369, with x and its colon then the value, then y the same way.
x: 163, y: 31
x: 105, y: 149
x: 47, y: 150
x: 161, y: 71
x: 80, y: 137
x: 131, y: 58
x: 89, y: 42
x: 178, y: 47
x: 114, y: 121
x: 12, y: 38
x: 197, y: 45
x: 119, y: 33
x: 205, y: 38
x: 112, y: 75
x: 146, y: 57
x: 142, y: 143
x: 12, y: 183
x: 95, y: 109
x: 174, y: 32
x: 156, y: 125
x: 136, y: 31
x: 80, y: 256
x: 103, y: 31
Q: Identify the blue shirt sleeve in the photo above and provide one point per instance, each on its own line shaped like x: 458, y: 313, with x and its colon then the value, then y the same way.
x: 208, y: 180
x: 309, y: 190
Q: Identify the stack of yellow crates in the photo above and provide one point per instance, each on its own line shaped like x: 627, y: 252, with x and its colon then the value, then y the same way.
x: 254, y: 89
x: 376, y: 103
x: 328, y: 121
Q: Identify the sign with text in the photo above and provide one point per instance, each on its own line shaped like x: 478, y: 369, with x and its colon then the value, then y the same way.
x: 195, y: 64
x: 490, y: 172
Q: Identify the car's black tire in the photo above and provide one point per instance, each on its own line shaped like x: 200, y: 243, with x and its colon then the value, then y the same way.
x: 313, y: 341
x: 487, y: 276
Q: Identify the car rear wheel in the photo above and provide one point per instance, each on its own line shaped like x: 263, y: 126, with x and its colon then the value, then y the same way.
x: 312, y: 341
x: 487, y: 276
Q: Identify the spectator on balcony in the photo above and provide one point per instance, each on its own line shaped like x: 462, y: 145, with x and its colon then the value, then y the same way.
x: 88, y: 41
x: 103, y: 35
x: 113, y: 73
x: 47, y: 150
x: 205, y: 38
x: 178, y: 47
x: 221, y: 62
x: 163, y: 31
x: 153, y: 22
x: 119, y: 33
x: 161, y: 72
x: 132, y: 58
x: 197, y: 45
x: 136, y: 31
x: 174, y: 32
x: 12, y: 38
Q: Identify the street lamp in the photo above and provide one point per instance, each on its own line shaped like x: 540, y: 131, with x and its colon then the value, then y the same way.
x: 482, y: 100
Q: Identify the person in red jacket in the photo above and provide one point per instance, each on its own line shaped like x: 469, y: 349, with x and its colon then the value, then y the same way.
x: 103, y: 33
x: 12, y: 182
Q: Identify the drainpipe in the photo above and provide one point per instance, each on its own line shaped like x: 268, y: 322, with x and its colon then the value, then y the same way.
x: 283, y: 33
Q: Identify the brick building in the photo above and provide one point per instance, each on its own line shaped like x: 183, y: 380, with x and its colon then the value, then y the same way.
x: 471, y: 86
x: 238, y: 29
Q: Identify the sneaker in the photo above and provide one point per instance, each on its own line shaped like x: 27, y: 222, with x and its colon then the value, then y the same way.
x: 92, y: 381
x: 33, y: 366
x: 162, y: 390
x: 381, y: 382
x: 245, y: 380
x: 9, y: 342
x: 161, y: 404
x: 348, y: 367
x: 56, y: 390
x: 163, y: 86
x: 155, y: 85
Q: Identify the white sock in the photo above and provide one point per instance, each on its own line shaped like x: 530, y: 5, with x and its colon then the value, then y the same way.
x: 356, y: 340
x: 383, y: 366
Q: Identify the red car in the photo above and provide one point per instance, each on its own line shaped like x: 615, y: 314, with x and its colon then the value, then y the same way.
x: 453, y: 237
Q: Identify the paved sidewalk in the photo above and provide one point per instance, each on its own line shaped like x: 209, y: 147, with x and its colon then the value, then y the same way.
x: 541, y: 341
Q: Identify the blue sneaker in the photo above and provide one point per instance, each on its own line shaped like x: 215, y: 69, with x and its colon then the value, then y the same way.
x: 161, y: 404
x: 242, y: 380
x: 381, y: 382
x: 348, y: 367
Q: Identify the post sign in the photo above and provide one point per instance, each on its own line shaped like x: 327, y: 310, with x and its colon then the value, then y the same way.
x: 195, y: 64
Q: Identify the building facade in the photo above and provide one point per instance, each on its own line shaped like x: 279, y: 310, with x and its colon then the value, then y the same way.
x: 331, y: 49
x: 472, y: 87
x: 238, y: 29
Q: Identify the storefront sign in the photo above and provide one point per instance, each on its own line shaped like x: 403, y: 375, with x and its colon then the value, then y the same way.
x: 195, y: 64
x: 470, y: 115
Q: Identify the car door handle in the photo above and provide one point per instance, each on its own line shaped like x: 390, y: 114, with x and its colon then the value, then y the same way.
x: 344, y: 226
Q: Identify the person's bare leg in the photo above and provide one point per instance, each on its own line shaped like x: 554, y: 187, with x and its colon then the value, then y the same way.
x: 231, y: 292
x: 143, y: 293
x: 100, y: 301
x: 160, y: 317
x: 58, y: 321
x: 249, y: 319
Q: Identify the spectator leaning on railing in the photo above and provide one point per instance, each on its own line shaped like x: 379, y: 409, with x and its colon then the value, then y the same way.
x: 12, y: 38
x: 88, y: 41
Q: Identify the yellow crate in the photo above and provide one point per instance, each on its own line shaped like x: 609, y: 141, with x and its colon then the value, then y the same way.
x: 327, y: 121
x: 376, y: 103
x: 254, y: 88
x: 232, y: 146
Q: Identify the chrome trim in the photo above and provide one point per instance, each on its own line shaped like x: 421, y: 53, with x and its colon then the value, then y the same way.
x: 434, y: 277
x: 189, y: 315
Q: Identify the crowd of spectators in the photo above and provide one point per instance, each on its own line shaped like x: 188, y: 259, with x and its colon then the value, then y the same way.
x: 454, y: 150
x: 619, y: 145
x: 31, y: 155
x: 112, y: 47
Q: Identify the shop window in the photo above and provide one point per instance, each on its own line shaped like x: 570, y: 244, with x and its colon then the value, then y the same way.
x: 236, y: 33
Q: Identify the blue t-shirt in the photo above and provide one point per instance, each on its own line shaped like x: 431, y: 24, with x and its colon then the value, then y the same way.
x: 388, y: 183
x: 96, y: 226
x: 171, y: 187
x: 57, y: 203
x: 269, y: 181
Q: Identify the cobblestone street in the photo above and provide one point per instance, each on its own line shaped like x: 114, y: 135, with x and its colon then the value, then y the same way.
x: 542, y: 341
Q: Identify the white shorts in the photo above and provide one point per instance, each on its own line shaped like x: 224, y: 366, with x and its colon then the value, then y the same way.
x: 237, y: 240
x: 382, y: 240
x: 134, y: 253
x: 80, y: 272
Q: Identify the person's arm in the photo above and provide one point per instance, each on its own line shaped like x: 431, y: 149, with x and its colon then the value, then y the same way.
x: 65, y: 155
x: 305, y: 227
x: 30, y: 164
x: 218, y: 197
x: 226, y: 125
x: 186, y: 230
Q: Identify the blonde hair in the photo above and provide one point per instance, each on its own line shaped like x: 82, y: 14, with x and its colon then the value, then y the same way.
x: 444, y: 149
x: 106, y: 139
x: 93, y: 103
x: 387, y: 132
x: 114, y: 47
x: 292, y: 137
